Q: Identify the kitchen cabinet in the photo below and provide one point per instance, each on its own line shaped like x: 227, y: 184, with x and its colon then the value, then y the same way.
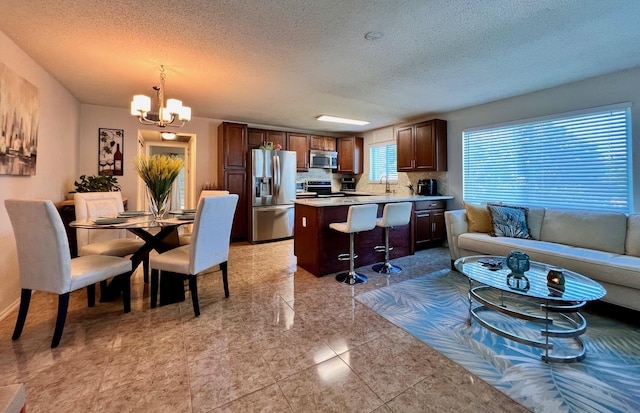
x: 258, y: 137
x: 322, y: 143
x: 422, y: 147
x: 429, y: 229
x: 350, y: 155
x: 233, y: 151
x: 299, y: 143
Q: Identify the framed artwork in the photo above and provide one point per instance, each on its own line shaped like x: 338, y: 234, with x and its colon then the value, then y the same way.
x: 110, y: 148
x: 19, y: 106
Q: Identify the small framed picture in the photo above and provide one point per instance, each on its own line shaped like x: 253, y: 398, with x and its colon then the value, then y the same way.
x: 110, y: 149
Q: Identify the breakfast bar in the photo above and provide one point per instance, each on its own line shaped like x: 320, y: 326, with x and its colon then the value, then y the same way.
x: 316, y: 246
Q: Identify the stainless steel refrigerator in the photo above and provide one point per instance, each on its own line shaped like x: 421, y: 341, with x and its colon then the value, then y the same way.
x: 273, y: 180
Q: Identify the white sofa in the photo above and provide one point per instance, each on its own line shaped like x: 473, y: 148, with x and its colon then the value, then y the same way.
x: 604, y: 246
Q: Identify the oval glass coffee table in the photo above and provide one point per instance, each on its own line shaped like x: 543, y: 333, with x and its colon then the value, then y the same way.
x: 553, y: 306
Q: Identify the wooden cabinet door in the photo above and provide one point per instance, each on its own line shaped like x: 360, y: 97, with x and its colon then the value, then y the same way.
x: 350, y: 154
x: 422, y: 227
x: 346, y: 152
x: 438, y: 229
x: 329, y: 144
x: 277, y: 138
x: 322, y: 143
x: 425, y: 147
x: 405, y: 148
x: 235, y: 181
x: 234, y: 145
x: 256, y: 138
x: 299, y: 143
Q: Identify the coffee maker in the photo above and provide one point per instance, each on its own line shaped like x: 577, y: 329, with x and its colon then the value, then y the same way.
x: 348, y: 184
x: 428, y: 187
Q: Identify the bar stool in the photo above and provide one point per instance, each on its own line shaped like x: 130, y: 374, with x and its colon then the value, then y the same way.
x: 359, y: 218
x: 394, y: 215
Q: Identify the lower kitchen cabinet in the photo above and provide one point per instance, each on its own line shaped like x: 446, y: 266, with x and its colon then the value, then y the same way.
x: 429, y: 228
x: 235, y: 181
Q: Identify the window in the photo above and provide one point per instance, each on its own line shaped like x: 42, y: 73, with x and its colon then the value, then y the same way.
x: 579, y: 160
x: 383, y: 163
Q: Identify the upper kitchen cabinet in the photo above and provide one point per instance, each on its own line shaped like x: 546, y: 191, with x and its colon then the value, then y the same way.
x: 258, y: 137
x: 422, y: 147
x: 299, y: 143
x: 350, y: 155
x: 322, y: 143
x: 232, y: 145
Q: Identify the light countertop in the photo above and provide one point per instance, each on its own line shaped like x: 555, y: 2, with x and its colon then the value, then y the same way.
x: 371, y: 199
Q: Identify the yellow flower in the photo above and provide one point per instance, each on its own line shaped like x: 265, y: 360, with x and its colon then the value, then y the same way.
x: 158, y: 172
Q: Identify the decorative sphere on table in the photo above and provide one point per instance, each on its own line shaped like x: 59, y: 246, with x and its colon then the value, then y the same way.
x: 518, y: 263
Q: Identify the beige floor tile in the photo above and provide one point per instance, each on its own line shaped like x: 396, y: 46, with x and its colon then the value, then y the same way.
x: 330, y: 386
x: 284, y: 341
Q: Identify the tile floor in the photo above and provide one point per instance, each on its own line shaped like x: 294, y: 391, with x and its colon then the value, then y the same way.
x: 284, y: 341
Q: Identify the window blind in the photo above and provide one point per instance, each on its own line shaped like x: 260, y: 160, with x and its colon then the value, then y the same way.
x: 577, y: 161
x: 383, y: 163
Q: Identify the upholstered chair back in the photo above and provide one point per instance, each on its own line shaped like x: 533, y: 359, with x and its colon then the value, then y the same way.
x: 396, y: 214
x: 92, y: 205
x: 361, y: 217
x: 44, y: 259
x: 211, y: 232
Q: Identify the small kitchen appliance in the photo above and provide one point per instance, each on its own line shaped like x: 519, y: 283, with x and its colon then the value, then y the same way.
x: 348, y: 184
x: 427, y: 187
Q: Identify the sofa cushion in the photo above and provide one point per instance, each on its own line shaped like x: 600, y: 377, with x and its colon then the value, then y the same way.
x: 597, y: 230
x: 478, y: 218
x: 508, y: 221
x: 632, y: 243
x: 535, y: 215
x: 597, y: 265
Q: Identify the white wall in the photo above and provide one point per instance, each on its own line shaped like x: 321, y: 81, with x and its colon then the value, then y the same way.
x: 95, y: 117
x: 600, y: 91
x: 56, y: 163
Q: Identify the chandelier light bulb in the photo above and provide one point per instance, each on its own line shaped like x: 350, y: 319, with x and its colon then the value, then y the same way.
x: 166, y: 114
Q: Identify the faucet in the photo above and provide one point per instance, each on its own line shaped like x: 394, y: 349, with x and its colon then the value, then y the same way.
x: 387, y: 188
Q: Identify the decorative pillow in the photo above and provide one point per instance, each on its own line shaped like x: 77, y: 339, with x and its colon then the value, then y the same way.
x: 508, y: 221
x: 478, y: 218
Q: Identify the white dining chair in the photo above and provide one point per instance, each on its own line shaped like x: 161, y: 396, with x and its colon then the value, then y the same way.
x: 45, y: 262
x: 209, y: 247
x: 185, y: 238
x: 114, y: 242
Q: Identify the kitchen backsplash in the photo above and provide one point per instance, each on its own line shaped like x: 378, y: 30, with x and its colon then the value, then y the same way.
x: 364, y: 185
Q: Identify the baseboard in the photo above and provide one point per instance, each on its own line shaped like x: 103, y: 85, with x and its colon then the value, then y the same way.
x: 5, y: 313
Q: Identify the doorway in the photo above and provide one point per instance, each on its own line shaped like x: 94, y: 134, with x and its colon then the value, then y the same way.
x: 150, y: 142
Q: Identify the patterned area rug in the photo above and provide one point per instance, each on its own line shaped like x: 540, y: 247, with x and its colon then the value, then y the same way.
x: 434, y: 308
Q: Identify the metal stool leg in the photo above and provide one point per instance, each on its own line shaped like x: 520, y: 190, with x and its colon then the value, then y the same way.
x: 386, y: 267
x: 351, y: 277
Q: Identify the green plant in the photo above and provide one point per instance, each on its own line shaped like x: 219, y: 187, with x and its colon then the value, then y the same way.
x: 97, y: 183
x: 410, y: 186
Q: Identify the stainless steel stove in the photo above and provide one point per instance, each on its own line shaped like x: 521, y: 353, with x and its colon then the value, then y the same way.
x: 322, y: 189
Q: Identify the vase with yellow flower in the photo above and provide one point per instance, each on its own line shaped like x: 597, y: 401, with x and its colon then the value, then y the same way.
x: 158, y: 173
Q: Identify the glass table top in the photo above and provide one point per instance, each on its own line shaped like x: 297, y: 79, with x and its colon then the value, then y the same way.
x: 576, y: 287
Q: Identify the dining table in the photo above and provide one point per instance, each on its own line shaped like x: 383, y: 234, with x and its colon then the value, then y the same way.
x: 158, y: 235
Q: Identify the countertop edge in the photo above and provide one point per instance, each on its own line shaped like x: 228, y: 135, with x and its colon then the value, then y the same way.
x: 371, y: 199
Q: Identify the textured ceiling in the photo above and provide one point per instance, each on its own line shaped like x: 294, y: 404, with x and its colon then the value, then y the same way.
x: 283, y: 63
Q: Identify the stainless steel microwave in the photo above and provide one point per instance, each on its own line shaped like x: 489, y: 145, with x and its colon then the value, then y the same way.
x: 323, y: 159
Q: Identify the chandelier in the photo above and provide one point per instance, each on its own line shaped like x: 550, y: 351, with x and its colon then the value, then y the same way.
x: 166, y: 114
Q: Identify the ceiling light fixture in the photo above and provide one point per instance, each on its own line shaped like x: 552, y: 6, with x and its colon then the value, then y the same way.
x: 336, y: 119
x: 168, y: 136
x: 166, y: 114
